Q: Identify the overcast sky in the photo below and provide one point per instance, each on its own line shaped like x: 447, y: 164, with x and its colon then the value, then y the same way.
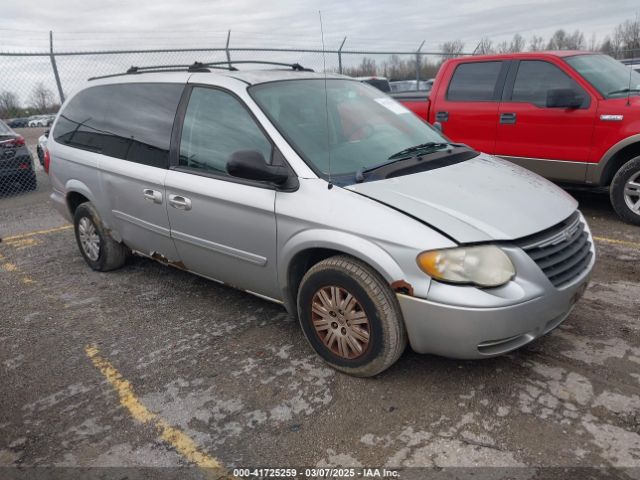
x: 83, y: 24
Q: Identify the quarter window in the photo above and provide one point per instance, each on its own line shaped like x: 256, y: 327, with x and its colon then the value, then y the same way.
x: 216, y: 125
x: 535, y: 78
x: 474, y: 82
x: 125, y: 121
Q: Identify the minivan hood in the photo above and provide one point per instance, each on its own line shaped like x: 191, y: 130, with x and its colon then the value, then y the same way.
x: 481, y: 199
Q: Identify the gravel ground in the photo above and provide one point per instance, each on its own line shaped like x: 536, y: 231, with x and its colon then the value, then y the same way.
x: 234, y: 374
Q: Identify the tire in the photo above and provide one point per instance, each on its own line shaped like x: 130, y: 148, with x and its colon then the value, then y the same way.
x: 386, y: 337
x: 109, y: 254
x: 627, y: 180
x: 40, y: 155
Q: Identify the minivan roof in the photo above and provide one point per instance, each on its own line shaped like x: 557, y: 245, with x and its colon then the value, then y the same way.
x: 250, y: 77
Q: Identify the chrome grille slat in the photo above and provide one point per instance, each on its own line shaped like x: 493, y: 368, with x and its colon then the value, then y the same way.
x: 562, y: 252
x: 562, y: 267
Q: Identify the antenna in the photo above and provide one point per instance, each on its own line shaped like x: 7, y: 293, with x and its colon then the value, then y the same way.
x: 629, y: 87
x: 326, y: 98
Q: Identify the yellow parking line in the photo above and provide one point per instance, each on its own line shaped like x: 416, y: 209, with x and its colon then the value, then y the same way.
x: 617, y: 242
x: 11, y: 267
x: 36, y: 232
x: 171, y: 435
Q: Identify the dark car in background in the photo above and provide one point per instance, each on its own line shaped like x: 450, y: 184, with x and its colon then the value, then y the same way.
x: 18, y: 122
x: 16, y: 165
x: 380, y: 83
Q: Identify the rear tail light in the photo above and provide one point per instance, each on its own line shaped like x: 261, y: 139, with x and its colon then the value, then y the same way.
x: 47, y: 160
x: 14, y: 142
x: 18, y: 141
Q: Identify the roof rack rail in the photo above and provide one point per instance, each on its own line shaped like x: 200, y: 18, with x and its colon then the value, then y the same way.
x: 202, y: 67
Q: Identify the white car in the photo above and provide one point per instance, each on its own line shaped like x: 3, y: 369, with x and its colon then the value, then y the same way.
x: 41, y: 147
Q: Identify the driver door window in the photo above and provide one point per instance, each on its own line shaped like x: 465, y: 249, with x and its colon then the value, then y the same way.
x: 535, y: 78
x: 216, y: 124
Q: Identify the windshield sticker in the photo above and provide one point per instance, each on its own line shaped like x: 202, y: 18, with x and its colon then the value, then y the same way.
x: 392, y: 105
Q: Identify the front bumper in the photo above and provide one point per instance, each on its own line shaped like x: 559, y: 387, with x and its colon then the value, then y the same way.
x: 470, y: 323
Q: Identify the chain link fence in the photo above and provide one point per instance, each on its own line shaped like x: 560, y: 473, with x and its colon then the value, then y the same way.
x: 34, y: 84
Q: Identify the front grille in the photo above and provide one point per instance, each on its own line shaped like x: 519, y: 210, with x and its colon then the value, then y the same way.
x: 563, y: 252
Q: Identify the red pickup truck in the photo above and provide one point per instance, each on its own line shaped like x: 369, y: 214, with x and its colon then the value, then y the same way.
x: 573, y: 117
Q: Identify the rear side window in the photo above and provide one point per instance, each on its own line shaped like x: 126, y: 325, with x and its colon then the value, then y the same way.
x: 127, y: 121
x: 534, y: 80
x: 474, y: 82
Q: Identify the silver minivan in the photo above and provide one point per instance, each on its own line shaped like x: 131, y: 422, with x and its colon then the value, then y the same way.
x: 325, y: 195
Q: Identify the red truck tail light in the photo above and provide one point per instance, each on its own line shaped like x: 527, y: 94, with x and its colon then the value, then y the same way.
x: 47, y: 160
x: 19, y: 141
x: 14, y: 142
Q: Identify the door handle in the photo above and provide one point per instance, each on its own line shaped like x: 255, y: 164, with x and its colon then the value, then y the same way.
x: 442, y: 116
x: 152, y: 195
x: 178, y: 201
x: 508, y: 118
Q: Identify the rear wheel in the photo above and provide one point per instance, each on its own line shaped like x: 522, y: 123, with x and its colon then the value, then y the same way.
x: 100, y: 251
x: 351, y: 317
x: 625, y: 191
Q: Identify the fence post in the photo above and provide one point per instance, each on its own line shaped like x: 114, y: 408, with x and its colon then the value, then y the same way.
x: 340, y: 55
x: 418, y: 58
x: 55, y: 68
x: 226, y: 49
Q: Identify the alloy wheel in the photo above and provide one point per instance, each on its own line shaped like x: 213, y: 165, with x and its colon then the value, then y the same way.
x: 340, y: 322
x: 89, y: 238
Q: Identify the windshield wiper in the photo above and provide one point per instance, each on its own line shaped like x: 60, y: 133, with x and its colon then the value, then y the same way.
x: 623, y: 90
x: 418, y: 148
x: 406, y: 154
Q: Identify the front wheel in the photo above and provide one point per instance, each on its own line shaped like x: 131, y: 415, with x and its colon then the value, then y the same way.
x: 351, y: 317
x: 625, y: 191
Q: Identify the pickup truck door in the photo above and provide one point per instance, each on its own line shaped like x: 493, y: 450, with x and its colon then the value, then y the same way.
x: 554, y: 142
x: 467, y: 108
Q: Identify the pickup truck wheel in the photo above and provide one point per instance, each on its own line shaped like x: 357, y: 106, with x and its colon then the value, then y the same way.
x: 350, y: 316
x: 625, y: 191
x: 100, y: 251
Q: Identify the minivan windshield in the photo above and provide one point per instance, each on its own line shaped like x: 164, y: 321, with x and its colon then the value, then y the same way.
x: 363, y: 128
x: 610, y: 77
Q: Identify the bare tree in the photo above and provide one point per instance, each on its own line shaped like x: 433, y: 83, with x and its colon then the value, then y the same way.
x: 536, y: 44
x: 484, y: 47
x: 9, y: 104
x: 41, y: 99
x: 517, y: 43
x: 593, y: 46
x: 451, y: 49
x: 627, y: 37
x: 502, y: 47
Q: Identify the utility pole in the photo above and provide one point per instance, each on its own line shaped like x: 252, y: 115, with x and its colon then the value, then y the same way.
x: 340, y: 55
x: 55, y: 68
x: 418, y: 58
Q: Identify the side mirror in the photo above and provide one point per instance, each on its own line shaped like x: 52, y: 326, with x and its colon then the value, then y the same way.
x: 251, y: 165
x: 46, y: 133
x: 564, y: 98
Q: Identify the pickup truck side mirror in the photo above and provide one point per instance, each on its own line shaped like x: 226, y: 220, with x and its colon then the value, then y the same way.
x: 251, y: 165
x: 564, y: 98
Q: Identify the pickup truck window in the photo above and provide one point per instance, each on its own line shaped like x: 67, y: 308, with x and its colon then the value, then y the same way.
x: 535, y: 78
x: 610, y: 77
x: 474, y: 82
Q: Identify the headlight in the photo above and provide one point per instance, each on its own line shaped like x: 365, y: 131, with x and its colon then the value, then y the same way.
x: 483, y: 265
